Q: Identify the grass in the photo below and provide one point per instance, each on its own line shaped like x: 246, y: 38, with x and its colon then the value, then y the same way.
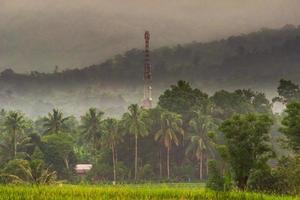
x: 126, y: 192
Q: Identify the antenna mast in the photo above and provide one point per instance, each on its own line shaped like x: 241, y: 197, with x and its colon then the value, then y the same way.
x: 147, y: 101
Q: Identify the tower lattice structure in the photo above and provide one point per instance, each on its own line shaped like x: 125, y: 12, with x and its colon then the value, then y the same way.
x: 147, y: 101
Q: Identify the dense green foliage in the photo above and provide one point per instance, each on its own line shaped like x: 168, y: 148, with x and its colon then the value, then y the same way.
x: 183, y: 99
x: 287, y: 92
x: 247, y: 142
x: 223, y: 139
x: 23, y: 171
x: 291, y: 125
x: 215, y: 179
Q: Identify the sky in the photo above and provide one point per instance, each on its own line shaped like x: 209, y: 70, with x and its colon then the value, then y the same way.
x: 41, y: 34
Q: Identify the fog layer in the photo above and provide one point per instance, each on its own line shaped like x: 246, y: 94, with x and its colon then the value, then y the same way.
x: 37, y: 35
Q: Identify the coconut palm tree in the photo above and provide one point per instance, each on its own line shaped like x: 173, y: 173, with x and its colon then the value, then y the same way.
x: 135, y: 122
x: 111, y: 138
x: 55, y: 122
x: 29, y: 171
x: 197, y: 148
x: 7, y: 147
x: 200, y: 143
x: 170, y: 127
x: 14, y: 126
x: 91, y: 127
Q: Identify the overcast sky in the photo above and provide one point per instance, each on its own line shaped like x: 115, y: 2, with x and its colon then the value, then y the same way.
x: 39, y: 34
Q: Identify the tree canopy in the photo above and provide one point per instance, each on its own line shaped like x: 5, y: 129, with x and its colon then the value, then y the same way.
x: 247, y: 141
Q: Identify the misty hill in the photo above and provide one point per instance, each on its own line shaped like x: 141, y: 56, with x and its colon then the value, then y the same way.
x: 256, y: 60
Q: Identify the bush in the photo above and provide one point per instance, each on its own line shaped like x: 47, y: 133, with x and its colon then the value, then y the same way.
x: 13, y: 167
x: 146, y: 172
x: 23, y: 171
x: 100, y: 172
x: 123, y: 173
x: 267, y: 180
x: 289, y: 172
x: 215, y: 179
x: 184, y: 172
x: 228, y: 182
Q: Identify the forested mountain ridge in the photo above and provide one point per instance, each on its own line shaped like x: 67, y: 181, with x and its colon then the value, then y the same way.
x: 263, y: 56
x: 256, y: 60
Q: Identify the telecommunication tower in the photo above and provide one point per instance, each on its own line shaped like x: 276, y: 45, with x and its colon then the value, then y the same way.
x: 147, y: 101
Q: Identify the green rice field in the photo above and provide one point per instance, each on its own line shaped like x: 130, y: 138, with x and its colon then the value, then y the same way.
x: 127, y: 192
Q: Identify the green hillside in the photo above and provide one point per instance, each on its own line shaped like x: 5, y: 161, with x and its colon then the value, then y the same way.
x: 256, y: 60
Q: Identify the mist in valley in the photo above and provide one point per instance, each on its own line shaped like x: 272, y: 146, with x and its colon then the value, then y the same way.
x: 81, y: 54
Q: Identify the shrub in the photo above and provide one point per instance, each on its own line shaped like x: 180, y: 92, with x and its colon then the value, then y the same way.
x: 146, y: 172
x: 184, y: 172
x: 23, y: 171
x: 215, y: 179
x: 100, y: 172
x: 267, y: 180
x: 289, y: 172
x: 123, y: 173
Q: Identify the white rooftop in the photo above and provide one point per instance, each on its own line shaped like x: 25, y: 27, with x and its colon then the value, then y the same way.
x: 82, y: 168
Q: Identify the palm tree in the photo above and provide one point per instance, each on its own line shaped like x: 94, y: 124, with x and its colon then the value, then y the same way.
x: 7, y: 147
x: 170, y: 127
x: 55, y: 122
x: 197, y: 148
x: 200, y: 143
x: 111, y: 138
x: 135, y: 122
x: 32, y: 172
x: 14, y: 125
x: 91, y: 127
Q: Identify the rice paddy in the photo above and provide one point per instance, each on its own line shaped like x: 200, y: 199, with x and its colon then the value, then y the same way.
x: 126, y: 192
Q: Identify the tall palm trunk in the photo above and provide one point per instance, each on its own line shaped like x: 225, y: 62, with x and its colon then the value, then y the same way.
x: 168, y: 162
x: 114, y: 162
x: 66, y: 163
x: 201, y: 166
x: 116, y: 155
x: 94, y: 148
x: 15, y: 142
x: 160, y: 164
x: 136, y: 157
x: 56, y: 128
x: 206, y: 157
x: 129, y: 160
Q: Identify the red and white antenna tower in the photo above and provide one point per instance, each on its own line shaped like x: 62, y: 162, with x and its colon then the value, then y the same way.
x: 147, y: 101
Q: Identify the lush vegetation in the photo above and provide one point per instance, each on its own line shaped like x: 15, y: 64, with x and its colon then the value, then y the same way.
x: 225, y: 140
x: 140, y: 192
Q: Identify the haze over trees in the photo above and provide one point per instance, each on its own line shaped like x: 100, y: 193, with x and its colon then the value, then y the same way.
x: 255, y: 60
x: 188, y: 136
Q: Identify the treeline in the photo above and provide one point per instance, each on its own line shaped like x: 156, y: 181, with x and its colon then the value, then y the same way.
x: 227, y: 63
x: 256, y: 60
x: 223, y: 139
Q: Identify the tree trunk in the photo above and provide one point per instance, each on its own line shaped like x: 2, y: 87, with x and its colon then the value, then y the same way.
x: 15, y: 143
x: 136, y: 158
x: 116, y: 155
x: 94, y: 145
x: 201, y: 166
x: 94, y: 148
x: 206, y: 157
x: 160, y: 164
x: 242, y: 182
x: 114, y: 163
x: 56, y: 128
x: 168, y: 162
x: 66, y: 163
x: 129, y: 159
